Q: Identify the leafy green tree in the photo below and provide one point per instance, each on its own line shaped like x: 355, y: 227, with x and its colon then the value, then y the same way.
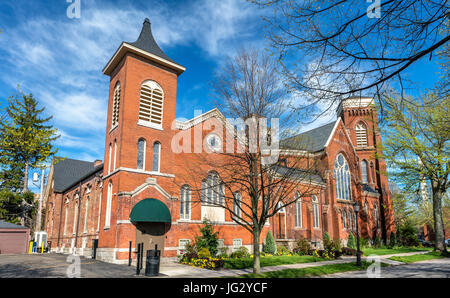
x: 10, y: 206
x: 208, y: 238
x: 417, y: 148
x: 269, y: 245
x: 26, y: 139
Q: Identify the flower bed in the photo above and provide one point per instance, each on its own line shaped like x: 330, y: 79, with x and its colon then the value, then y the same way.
x: 205, y: 263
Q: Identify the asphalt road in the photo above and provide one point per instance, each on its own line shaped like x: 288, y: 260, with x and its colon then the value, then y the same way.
x: 437, y: 268
x: 57, y: 265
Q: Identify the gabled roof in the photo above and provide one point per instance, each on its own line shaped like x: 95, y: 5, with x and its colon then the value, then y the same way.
x: 70, y: 171
x: 7, y: 225
x: 313, y: 140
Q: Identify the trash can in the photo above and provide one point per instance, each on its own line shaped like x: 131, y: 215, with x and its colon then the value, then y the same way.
x: 152, y: 262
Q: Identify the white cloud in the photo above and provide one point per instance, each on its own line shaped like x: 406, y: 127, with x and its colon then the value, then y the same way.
x: 60, y: 60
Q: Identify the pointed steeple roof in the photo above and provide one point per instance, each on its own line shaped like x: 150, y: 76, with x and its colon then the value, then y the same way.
x: 145, y: 46
x: 147, y: 42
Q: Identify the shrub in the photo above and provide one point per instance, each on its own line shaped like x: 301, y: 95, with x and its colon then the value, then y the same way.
x: 223, y: 252
x: 283, y: 251
x: 242, y: 252
x: 348, y: 251
x: 364, y: 242
x: 204, y: 253
x: 303, y: 247
x: 392, y: 240
x: 269, y: 246
x: 351, y: 241
x: 208, y: 238
x: 408, y: 235
x: 190, y: 252
x: 377, y: 242
x: 332, y: 246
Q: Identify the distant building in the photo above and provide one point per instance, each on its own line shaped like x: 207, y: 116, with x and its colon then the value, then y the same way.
x: 142, y: 191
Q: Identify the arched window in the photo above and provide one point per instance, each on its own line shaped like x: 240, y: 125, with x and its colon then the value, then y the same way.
x: 372, y: 172
x: 342, y: 178
x: 237, y: 205
x: 185, y: 202
x: 212, y: 189
x: 110, y: 156
x: 115, y: 154
x: 298, y: 211
x: 75, y: 216
x: 316, y: 214
x: 151, y: 104
x: 156, y: 156
x: 350, y: 220
x: 108, y: 205
x: 344, y: 219
x: 116, y: 105
x: 65, y: 219
x: 361, y: 135
x: 86, y: 217
x: 376, y: 215
x: 364, y: 171
x: 141, y: 154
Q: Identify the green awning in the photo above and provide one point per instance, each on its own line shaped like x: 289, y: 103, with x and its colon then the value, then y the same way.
x: 150, y: 210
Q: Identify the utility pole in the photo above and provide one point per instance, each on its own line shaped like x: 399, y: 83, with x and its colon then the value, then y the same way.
x: 39, y: 215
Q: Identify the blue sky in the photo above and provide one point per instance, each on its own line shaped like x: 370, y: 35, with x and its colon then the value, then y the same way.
x: 60, y: 60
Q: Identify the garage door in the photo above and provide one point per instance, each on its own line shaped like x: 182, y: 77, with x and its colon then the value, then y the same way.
x: 13, y: 242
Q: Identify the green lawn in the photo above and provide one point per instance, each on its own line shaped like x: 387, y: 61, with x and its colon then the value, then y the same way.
x: 310, y: 271
x: 270, y: 261
x: 416, y: 258
x: 389, y: 251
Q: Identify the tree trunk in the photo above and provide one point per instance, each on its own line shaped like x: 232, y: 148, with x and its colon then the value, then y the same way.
x: 438, y: 220
x: 256, y: 252
x: 25, y: 180
x: 25, y: 189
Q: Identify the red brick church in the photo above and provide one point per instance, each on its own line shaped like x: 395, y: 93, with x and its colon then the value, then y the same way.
x: 142, y: 192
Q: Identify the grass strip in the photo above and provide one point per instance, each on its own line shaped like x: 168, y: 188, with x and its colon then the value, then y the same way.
x: 243, y: 263
x: 390, y: 251
x: 311, y: 271
x: 417, y: 258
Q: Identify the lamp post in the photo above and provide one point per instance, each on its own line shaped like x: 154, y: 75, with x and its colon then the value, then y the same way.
x: 358, y: 251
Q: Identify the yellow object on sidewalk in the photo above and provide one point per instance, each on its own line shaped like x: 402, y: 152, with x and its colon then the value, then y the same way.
x: 30, y: 250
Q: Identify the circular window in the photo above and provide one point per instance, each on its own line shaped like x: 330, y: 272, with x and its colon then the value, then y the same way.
x: 213, y: 141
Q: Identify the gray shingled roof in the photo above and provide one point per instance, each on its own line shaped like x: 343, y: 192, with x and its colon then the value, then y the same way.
x: 313, y: 140
x: 7, y: 225
x: 147, y: 43
x: 296, y: 173
x: 69, y: 171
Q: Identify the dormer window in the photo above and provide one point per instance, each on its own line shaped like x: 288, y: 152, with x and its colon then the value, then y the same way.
x: 361, y: 135
x: 151, y: 105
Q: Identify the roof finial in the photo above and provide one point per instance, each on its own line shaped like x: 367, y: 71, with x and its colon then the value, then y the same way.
x: 147, y: 21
